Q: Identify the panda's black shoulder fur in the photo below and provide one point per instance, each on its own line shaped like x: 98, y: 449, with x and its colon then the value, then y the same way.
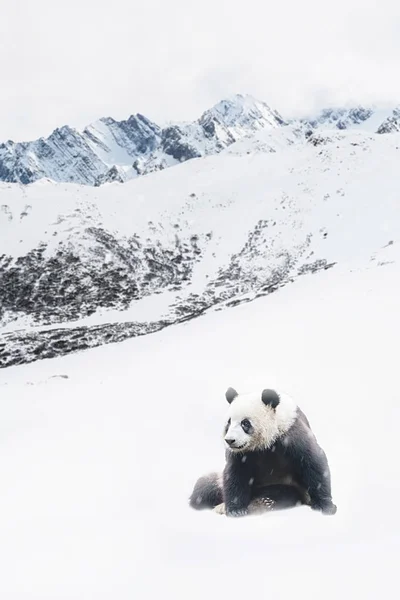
x: 308, y: 459
x: 308, y: 466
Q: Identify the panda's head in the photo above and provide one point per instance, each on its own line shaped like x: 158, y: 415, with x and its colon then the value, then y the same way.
x: 255, y: 421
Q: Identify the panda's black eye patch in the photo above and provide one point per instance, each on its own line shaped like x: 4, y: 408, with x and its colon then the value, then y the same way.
x: 246, y: 425
x: 227, y: 425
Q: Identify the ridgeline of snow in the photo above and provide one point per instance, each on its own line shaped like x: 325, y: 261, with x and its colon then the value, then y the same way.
x: 116, y: 151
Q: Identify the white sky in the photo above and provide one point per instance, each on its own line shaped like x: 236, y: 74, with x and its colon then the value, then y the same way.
x: 77, y: 60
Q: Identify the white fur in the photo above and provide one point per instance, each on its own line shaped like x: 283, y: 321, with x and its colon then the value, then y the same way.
x: 269, y: 424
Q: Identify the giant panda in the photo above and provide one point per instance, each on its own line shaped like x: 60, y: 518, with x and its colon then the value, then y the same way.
x: 273, y: 460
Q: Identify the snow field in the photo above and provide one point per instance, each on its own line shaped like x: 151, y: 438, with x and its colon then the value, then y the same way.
x: 96, y: 468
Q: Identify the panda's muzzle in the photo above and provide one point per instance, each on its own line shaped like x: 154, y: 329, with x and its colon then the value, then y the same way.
x: 231, y: 443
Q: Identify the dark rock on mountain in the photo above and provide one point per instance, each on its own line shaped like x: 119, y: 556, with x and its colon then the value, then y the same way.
x: 72, y: 284
x: 110, y: 150
x: 175, y: 142
x: 340, y: 118
x: 391, y: 124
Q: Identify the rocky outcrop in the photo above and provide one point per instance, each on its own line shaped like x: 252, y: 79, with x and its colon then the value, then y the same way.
x: 391, y: 124
x: 70, y: 284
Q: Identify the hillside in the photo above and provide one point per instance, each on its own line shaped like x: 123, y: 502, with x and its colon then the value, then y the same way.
x: 81, y: 266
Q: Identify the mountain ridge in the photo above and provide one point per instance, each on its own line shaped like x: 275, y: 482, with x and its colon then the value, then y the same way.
x: 109, y: 150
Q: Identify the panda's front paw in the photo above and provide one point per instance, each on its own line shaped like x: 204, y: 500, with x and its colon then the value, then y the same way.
x: 220, y: 509
x: 237, y: 512
x: 327, y: 508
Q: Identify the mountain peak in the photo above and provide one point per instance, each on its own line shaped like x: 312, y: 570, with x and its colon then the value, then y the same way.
x: 240, y: 108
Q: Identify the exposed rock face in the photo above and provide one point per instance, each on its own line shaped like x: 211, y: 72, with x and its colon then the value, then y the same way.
x: 110, y: 150
x: 114, y: 174
x: 177, y: 143
x: 391, y: 124
x: 64, y: 156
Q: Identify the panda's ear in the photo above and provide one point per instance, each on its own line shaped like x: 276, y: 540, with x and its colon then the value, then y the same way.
x: 230, y: 394
x: 270, y: 398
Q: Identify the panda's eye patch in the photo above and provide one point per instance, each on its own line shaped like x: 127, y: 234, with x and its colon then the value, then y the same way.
x: 246, y: 425
x: 227, y: 425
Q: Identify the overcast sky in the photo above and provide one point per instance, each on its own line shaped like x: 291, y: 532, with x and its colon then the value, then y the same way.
x: 77, y: 60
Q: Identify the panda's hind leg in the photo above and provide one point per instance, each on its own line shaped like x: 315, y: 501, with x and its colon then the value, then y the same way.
x: 276, y: 497
x: 207, y: 492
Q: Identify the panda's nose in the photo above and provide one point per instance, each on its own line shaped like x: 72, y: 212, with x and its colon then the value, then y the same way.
x: 230, y: 441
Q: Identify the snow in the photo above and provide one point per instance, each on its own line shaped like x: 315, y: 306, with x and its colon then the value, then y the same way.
x: 240, y: 107
x: 139, y: 146
x: 85, y: 157
x: 312, y: 197
x: 107, y: 147
x: 375, y: 120
x: 100, y: 451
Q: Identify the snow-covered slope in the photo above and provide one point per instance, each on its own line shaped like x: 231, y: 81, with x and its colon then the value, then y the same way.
x: 100, y: 450
x: 80, y: 266
x: 110, y: 150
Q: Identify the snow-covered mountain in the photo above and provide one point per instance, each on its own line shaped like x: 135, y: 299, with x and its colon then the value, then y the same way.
x: 116, y: 151
x: 270, y: 260
x: 110, y: 150
x: 82, y: 265
x: 371, y: 119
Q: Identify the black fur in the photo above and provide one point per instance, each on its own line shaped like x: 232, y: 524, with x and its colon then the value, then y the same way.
x: 230, y: 394
x: 238, y: 481
x: 207, y: 492
x: 270, y: 398
x: 309, y: 464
